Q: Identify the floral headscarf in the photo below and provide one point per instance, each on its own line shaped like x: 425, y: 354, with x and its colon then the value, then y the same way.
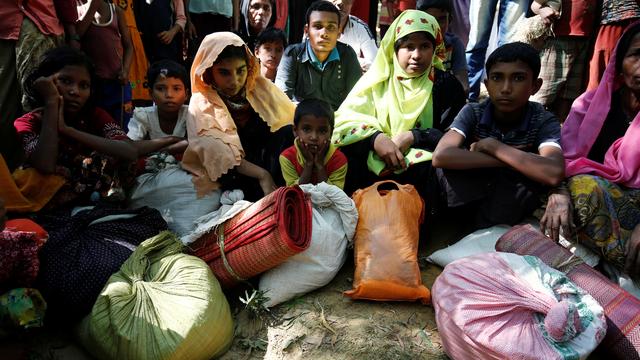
x: 389, y: 100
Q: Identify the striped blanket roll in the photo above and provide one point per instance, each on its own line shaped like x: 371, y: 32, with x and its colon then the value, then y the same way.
x: 621, y: 308
x: 259, y: 238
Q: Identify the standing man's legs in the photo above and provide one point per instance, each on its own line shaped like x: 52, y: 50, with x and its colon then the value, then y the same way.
x: 481, y: 15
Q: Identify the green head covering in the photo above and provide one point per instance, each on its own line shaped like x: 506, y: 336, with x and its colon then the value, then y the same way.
x: 386, y: 98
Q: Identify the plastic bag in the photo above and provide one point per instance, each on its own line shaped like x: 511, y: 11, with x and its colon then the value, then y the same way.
x: 386, y: 244
x: 506, y: 306
x: 171, y: 191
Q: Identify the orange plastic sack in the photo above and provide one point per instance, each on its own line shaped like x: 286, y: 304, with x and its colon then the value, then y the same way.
x: 386, y: 244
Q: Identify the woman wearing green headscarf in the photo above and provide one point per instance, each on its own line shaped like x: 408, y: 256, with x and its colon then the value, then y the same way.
x: 395, y: 115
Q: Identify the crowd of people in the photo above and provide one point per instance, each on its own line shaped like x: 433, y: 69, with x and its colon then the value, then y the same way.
x: 248, y: 96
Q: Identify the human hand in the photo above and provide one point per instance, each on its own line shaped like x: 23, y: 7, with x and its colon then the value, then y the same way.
x: 632, y: 260
x: 403, y: 140
x: 389, y: 152
x: 166, y: 37
x: 486, y: 145
x: 266, y: 183
x: 320, y: 153
x: 307, y: 154
x: 191, y: 31
x: 123, y: 77
x: 46, y: 87
x: 62, y: 125
x: 548, y: 15
x: 558, y: 215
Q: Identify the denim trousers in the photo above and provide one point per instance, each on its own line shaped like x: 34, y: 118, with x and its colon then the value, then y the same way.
x: 481, y: 19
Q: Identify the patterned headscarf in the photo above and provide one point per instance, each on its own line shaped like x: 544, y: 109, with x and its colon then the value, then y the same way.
x: 386, y: 98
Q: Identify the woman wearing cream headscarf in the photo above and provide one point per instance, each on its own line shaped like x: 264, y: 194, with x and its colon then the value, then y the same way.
x: 396, y: 113
x: 237, y: 125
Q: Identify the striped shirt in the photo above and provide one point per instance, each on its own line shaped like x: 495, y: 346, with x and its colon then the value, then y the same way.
x: 292, y: 164
x: 537, y: 129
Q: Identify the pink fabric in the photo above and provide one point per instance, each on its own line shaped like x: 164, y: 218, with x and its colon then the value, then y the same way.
x: 582, y: 127
x: 485, y: 311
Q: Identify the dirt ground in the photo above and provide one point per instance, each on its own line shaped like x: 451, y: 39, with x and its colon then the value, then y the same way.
x: 324, y: 324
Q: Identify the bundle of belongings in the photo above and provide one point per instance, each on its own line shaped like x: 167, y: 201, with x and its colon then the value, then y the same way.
x: 621, y: 309
x: 171, y: 191
x: 259, y: 238
x: 162, y: 304
x: 21, y: 307
x: 506, y: 306
x: 84, y: 249
x: 334, y: 225
x: 386, y: 244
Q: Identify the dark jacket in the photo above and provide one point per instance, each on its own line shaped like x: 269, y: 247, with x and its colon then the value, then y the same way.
x: 300, y: 80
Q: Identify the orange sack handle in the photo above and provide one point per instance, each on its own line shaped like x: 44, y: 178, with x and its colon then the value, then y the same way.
x: 386, y: 244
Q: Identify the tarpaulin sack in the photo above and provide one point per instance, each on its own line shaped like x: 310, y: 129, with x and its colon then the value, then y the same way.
x: 162, y: 304
x: 386, y: 244
x: 621, y: 308
x: 259, y: 238
x: 506, y: 306
x: 334, y: 225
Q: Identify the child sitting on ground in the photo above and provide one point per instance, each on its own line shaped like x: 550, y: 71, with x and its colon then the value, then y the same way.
x: 270, y: 46
x: 312, y: 158
x: 166, y: 120
x: 501, y: 154
x: 455, y: 59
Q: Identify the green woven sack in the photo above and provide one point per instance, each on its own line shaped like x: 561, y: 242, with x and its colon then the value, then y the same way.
x: 162, y: 304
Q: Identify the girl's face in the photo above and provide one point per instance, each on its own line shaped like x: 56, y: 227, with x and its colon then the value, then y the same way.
x: 74, y: 84
x: 631, y: 65
x: 260, y: 12
x: 229, y: 75
x: 415, y: 54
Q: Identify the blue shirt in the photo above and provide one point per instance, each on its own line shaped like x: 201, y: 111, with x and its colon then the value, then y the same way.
x: 333, y: 56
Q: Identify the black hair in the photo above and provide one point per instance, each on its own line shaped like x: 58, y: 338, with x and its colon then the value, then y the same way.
x: 398, y: 44
x: 444, y: 5
x: 271, y: 34
x: 315, y: 107
x: 232, y: 52
x: 167, y: 68
x: 322, y: 5
x: 53, y: 61
x: 623, y: 45
x: 513, y: 52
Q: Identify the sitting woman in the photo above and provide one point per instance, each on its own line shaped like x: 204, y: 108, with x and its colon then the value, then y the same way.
x: 67, y: 135
x: 237, y: 129
x: 255, y: 16
x: 600, y: 141
x: 397, y: 112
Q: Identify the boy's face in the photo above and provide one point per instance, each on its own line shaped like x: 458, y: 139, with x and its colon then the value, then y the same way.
x: 314, y: 132
x: 510, y: 84
x: 322, y: 30
x: 270, y: 54
x: 168, y: 93
x: 442, y: 16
